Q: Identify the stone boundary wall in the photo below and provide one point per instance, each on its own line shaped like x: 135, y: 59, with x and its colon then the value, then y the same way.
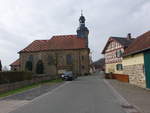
x: 12, y: 86
x: 136, y: 74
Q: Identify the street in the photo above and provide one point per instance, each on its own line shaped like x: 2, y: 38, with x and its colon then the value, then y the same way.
x: 85, y: 95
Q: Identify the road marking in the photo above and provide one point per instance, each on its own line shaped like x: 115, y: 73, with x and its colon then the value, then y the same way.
x: 122, y: 101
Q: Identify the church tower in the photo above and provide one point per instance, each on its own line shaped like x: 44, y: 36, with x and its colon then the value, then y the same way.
x: 82, y: 30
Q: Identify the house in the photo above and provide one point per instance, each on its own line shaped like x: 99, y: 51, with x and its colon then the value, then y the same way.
x: 136, y: 61
x: 59, y: 54
x: 113, y: 52
x: 15, y: 66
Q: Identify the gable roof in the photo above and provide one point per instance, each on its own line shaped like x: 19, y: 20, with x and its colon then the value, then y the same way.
x: 56, y: 43
x: 66, y: 42
x: 15, y: 63
x: 141, y: 44
x: 125, y: 42
x: 37, y: 45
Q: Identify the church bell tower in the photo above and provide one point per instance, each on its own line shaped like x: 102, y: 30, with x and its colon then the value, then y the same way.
x: 82, y: 30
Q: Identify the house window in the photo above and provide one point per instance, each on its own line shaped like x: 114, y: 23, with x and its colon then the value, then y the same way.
x: 119, y: 67
x: 50, y: 60
x: 69, y: 59
x: 119, y: 53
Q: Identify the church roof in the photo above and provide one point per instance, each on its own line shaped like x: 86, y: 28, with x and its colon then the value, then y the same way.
x: 141, y: 43
x: 59, y: 42
x: 16, y: 63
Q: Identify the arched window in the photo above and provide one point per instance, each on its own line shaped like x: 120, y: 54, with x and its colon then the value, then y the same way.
x: 28, y: 66
x: 69, y: 59
x: 50, y: 60
x: 39, y: 67
x: 29, y: 63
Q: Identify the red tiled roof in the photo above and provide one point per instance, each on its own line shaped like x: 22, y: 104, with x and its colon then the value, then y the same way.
x: 140, y: 44
x: 56, y: 42
x: 16, y: 63
x: 37, y: 45
x: 66, y: 42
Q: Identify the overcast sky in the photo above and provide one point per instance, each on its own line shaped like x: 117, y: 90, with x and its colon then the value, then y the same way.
x: 22, y: 21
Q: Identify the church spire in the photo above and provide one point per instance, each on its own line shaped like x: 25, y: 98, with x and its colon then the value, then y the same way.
x: 82, y: 31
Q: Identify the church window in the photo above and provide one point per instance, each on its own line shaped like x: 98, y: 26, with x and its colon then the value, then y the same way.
x: 69, y: 59
x: 83, y: 67
x: 30, y: 58
x: 50, y: 60
x: 39, y: 67
x: 28, y: 66
x: 82, y: 57
x: 29, y: 63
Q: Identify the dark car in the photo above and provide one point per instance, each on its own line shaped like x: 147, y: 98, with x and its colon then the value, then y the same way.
x: 68, y: 76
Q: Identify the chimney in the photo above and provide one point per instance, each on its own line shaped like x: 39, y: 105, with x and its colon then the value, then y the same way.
x: 129, y: 36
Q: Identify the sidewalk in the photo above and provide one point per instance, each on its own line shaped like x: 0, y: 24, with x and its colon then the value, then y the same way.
x: 137, y: 96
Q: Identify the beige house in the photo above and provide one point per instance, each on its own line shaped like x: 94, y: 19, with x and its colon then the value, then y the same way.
x: 136, y: 61
x: 58, y: 54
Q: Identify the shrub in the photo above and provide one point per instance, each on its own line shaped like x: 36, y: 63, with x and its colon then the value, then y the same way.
x: 9, y: 77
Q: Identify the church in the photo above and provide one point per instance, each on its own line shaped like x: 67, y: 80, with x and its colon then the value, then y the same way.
x: 58, y: 54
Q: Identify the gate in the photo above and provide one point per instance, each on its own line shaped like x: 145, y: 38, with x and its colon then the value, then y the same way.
x: 147, y: 68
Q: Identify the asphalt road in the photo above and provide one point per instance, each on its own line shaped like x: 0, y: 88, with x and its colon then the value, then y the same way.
x: 85, y: 95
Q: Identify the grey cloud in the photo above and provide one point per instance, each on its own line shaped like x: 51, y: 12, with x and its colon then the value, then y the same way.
x: 28, y: 20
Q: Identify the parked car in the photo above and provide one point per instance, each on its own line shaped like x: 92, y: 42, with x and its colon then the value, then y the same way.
x: 68, y: 75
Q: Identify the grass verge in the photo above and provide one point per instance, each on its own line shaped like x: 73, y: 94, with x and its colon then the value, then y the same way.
x: 19, y: 90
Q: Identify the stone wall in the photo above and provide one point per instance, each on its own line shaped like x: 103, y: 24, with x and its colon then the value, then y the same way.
x: 136, y: 74
x: 79, y: 66
x: 12, y: 86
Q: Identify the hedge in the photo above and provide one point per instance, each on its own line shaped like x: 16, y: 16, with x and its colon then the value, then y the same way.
x: 9, y: 77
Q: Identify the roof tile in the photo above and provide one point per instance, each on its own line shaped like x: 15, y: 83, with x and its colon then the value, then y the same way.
x: 140, y: 44
x: 16, y: 63
x: 56, y: 42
